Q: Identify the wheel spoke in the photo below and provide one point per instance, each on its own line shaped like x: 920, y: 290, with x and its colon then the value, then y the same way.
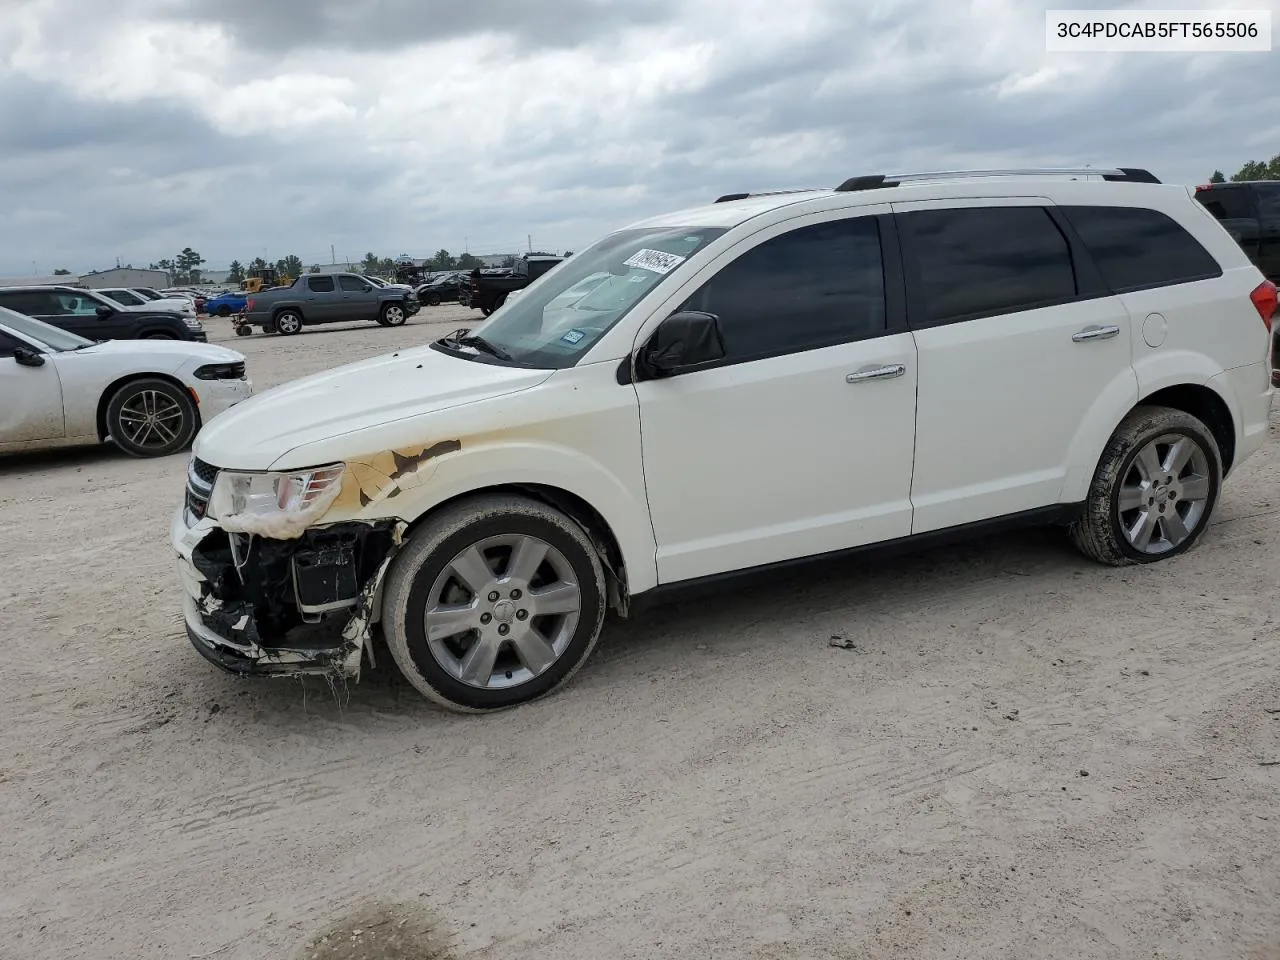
x: 167, y: 434
x: 534, y: 652
x: 132, y: 416
x: 1148, y: 463
x: 1132, y: 498
x: 1175, y: 531
x: 562, y: 597
x: 1179, y: 454
x: 473, y: 570
x: 1195, y: 488
x: 1143, y: 528
x: 526, y: 558
x: 477, y: 666
x: 449, y: 621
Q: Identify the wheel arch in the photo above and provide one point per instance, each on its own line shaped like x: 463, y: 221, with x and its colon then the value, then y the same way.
x: 1208, y: 406
x: 104, y: 400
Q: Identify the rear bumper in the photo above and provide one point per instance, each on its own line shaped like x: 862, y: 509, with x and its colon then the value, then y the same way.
x: 1249, y: 391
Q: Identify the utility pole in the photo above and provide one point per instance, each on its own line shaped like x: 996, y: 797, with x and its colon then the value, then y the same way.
x: 333, y: 257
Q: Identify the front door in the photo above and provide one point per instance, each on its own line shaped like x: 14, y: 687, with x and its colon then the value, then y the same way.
x: 800, y: 441
x: 30, y: 397
x: 1016, y: 351
x: 359, y: 298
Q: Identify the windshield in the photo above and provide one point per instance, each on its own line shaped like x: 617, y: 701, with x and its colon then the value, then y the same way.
x: 559, y: 316
x: 54, y: 338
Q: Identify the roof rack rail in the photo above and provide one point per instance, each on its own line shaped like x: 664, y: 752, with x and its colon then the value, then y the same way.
x: 1114, y: 174
x: 728, y: 197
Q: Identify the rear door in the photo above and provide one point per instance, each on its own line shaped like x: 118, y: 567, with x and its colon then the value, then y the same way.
x: 359, y: 298
x: 321, y: 300
x: 1268, y: 202
x: 1018, y: 344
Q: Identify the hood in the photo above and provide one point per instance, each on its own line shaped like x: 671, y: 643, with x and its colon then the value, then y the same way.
x: 159, y: 350
x: 411, y: 383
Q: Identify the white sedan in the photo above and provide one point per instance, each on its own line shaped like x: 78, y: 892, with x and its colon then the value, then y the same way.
x: 133, y: 300
x: 150, y: 397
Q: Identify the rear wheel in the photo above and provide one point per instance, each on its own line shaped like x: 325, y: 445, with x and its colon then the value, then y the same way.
x: 223, y: 311
x: 433, y: 300
x: 288, y: 323
x: 151, y: 418
x: 494, y: 602
x: 159, y: 335
x: 1154, y: 490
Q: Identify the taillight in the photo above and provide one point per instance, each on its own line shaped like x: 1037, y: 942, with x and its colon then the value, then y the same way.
x: 1264, y: 299
x: 248, y: 305
x: 1204, y: 186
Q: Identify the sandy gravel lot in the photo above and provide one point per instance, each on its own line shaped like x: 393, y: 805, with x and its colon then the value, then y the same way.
x: 1023, y: 756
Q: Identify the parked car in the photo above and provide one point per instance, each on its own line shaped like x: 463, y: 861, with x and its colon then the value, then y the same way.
x: 225, y: 304
x: 764, y: 380
x: 1250, y: 212
x: 86, y: 313
x: 387, y: 284
x: 487, y: 292
x: 444, y: 289
x: 328, y: 298
x: 134, y: 300
x: 149, y: 398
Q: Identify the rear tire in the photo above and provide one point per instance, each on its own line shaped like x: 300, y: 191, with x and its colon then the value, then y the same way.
x: 490, y: 646
x: 223, y: 311
x: 158, y: 335
x: 1154, y: 490
x: 433, y: 300
x: 151, y: 418
x: 287, y: 323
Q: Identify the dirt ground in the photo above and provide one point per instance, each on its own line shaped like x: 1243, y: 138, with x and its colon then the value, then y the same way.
x: 998, y: 751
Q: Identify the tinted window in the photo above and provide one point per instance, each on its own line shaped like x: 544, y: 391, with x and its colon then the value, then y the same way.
x: 1226, y: 203
x: 1136, y: 248
x: 348, y: 283
x: 981, y: 261
x: 320, y: 284
x: 1268, y: 201
x: 8, y: 344
x: 125, y: 297
x: 34, y: 303
x: 810, y: 288
x: 68, y: 304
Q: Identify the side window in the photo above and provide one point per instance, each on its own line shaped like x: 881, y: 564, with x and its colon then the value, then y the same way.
x: 1268, y: 201
x: 320, y: 284
x: 73, y: 305
x: 8, y: 344
x: 982, y: 261
x: 813, y: 287
x: 349, y: 283
x: 1137, y: 248
x: 1226, y: 203
x: 34, y: 303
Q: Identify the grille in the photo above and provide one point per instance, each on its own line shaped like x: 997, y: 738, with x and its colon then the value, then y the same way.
x: 196, y: 504
x: 206, y: 472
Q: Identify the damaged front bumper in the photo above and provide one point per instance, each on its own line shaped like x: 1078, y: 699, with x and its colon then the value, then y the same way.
x: 260, y: 606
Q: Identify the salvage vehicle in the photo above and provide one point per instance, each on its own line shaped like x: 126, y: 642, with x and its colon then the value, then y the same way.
x: 327, y: 298
x: 148, y: 398
x: 768, y: 379
x: 444, y: 289
x: 1250, y: 211
x: 86, y: 313
x: 486, y: 292
x: 128, y: 299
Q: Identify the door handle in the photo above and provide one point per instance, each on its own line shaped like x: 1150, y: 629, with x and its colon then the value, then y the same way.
x: 884, y: 372
x: 1095, y: 333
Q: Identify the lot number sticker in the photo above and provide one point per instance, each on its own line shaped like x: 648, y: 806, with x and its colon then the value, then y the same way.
x: 655, y: 261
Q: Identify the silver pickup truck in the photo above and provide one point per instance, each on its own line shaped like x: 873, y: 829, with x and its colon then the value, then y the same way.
x: 327, y: 298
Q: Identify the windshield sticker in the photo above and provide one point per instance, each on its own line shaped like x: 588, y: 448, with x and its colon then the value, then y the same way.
x: 635, y: 280
x: 655, y: 261
x: 573, y: 336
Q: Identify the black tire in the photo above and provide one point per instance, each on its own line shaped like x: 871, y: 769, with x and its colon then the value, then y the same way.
x: 243, y: 331
x: 223, y: 311
x: 1099, y: 532
x: 486, y: 310
x: 433, y: 300
x: 392, y: 315
x: 430, y: 551
x: 287, y: 323
x: 502, y: 298
x: 136, y: 396
x: 158, y: 335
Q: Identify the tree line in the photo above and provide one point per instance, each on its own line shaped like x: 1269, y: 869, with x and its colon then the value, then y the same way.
x: 1253, y: 170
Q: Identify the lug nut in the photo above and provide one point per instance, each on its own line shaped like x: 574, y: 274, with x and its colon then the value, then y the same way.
x: 485, y: 618
x: 515, y: 594
x: 522, y: 614
x: 504, y: 629
x: 493, y: 597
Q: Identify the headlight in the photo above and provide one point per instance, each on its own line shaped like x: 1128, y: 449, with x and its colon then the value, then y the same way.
x: 276, y: 505
x: 192, y: 322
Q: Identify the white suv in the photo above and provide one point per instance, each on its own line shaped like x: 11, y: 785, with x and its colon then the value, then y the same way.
x: 761, y: 380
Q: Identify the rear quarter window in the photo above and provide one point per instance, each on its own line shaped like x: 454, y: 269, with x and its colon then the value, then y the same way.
x: 1137, y: 248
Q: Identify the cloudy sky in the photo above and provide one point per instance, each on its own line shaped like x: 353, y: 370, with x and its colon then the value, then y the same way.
x: 133, y: 128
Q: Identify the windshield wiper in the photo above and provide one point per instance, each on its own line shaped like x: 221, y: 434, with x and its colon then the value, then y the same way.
x: 484, y: 346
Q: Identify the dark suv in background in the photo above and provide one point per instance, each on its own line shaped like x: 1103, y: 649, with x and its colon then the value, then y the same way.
x: 96, y: 318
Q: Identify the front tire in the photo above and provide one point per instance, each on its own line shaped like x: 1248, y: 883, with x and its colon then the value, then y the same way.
x: 151, y: 418
x: 494, y: 602
x: 1154, y: 491
x: 288, y: 323
x: 223, y: 311
x: 392, y: 315
x: 158, y: 335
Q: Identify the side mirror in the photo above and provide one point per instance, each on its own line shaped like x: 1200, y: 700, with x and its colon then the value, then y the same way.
x: 104, y: 311
x: 26, y: 357
x: 685, y: 340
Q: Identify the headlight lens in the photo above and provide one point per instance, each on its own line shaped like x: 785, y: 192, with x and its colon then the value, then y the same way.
x: 279, y: 505
x: 193, y: 323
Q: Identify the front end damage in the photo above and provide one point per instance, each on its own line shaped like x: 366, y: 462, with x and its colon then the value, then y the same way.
x: 261, y: 606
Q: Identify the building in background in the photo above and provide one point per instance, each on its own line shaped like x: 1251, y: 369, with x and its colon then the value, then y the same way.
x: 62, y: 279
x: 124, y: 277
